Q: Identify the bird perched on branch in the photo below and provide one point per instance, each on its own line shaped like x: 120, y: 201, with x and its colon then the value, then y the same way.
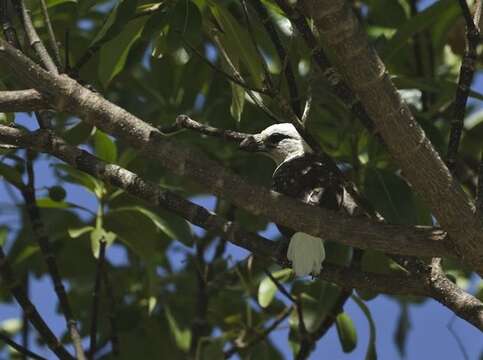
x: 303, y: 175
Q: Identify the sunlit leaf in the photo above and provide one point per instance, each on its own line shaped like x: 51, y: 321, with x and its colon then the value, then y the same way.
x: 105, y: 147
x: 267, y: 288
x: 346, y: 331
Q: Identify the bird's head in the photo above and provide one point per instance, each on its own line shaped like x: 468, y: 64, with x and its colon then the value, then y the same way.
x: 280, y: 141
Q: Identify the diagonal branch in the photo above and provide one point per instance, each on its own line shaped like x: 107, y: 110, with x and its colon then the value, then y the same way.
x: 66, y: 94
x: 21, y: 349
x: 44, y: 140
x: 467, y: 71
x: 405, y: 139
x: 33, y: 37
x: 29, y: 309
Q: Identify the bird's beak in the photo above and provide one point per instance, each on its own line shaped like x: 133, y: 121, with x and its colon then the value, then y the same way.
x: 253, y: 143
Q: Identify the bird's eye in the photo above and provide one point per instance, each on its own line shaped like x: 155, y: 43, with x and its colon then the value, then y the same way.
x: 276, y: 138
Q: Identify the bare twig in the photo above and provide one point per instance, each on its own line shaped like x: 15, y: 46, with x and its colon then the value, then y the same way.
x: 29, y: 309
x: 338, y: 86
x: 95, y: 300
x: 238, y: 76
x: 233, y: 79
x: 40, y: 234
x: 467, y: 71
x: 50, y: 31
x: 21, y: 349
x: 185, y: 122
x: 262, y: 335
x: 34, y: 39
x: 114, y: 338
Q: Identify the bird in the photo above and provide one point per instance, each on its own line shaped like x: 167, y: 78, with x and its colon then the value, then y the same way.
x: 302, y: 174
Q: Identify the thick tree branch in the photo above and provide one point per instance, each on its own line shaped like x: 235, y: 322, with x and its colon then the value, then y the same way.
x: 408, y: 144
x: 356, y: 232
x: 45, y: 141
x: 22, y: 101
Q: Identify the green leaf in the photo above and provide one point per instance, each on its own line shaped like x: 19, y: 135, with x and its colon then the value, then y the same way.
x: 105, y: 147
x: 3, y: 235
x: 76, y: 176
x: 10, y: 174
x: 392, y: 197
x: 173, y: 226
x: 346, y: 331
x: 98, y: 235
x: 78, y: 232
x: 268, y: 289
x: 114, y: 53
x: 7, y: 118
x: 182, y: 337
x: 237, y: 101
x: 78, y: 133
x: 377, y: 262
x: 49, y: 203
x: 416, y: 24
x: 185, y: 20
x: 115, y: 22
x: 371, y: 353
x: 237, y: 41
x: 52, y: 3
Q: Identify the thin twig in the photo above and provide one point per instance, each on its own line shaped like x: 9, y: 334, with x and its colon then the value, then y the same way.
x: 21, y: 349
x: 262, y: 335
x: 238, y: 76
x: 111, y: 314
x: 338, y: 86
x: 95, y: 300
x: 29, y: 309
x: 282, y: 54
x: 185, y: 122
x: 231, y: 78
x: 40, y: 234
x: 25, y: 321
x: 34, y: 39
x: 479, y: 188
x: 467, y: 71
x: 50, y: 31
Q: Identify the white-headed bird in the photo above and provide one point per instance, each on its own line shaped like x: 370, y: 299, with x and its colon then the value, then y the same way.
x: 303, y: 175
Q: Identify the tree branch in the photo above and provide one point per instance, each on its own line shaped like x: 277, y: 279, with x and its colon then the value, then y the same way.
x: 46, y: 141
x: 40, y: 235
x: 356, y: 232
x: 22, y: 101
x: 467, y: 71
x: 34, y: 39
x: 21, y: 349
x: 29, y: 309
x: 406, y: 141
x: 95, y: 300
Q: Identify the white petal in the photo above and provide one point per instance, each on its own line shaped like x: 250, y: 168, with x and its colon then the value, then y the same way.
x: 306, y: 253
